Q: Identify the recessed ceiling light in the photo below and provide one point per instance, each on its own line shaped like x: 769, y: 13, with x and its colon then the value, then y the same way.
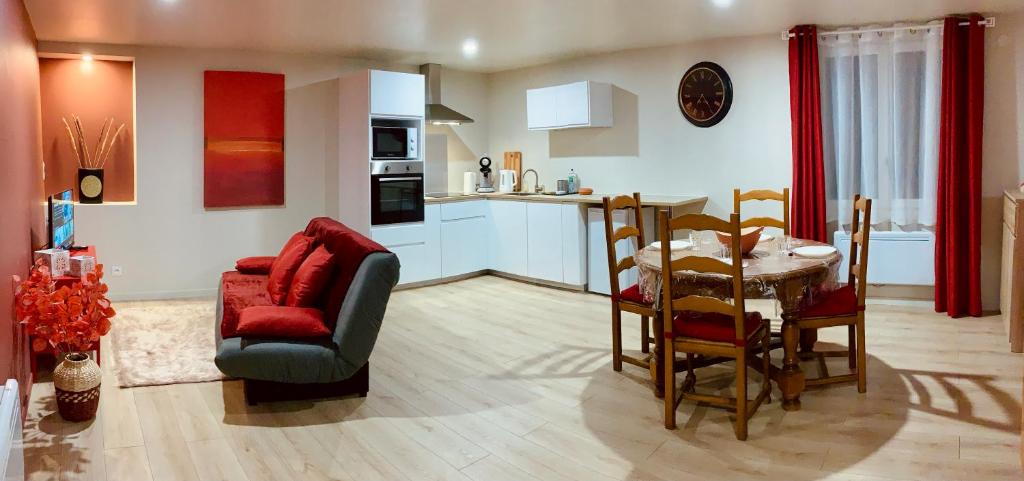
x: 470, y: 47
x: 87, y: 57
x: 722, y: 3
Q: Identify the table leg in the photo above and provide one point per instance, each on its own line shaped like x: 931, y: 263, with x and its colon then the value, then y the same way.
x: 790, y: 378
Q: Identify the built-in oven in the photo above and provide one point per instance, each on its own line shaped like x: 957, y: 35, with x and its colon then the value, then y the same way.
x: 395, y: 142
x: 396, y: 192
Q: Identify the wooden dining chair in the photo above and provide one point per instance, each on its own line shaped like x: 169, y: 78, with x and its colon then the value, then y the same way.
x: 710, y: 327
x: 845, y: 306
x: 739, y: 198
x: 629, y: 299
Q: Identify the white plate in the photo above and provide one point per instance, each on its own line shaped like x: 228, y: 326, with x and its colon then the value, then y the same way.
x: 676, y: 245
x: 814, y: 252
x: 728, y: 260
x: 765, y: 237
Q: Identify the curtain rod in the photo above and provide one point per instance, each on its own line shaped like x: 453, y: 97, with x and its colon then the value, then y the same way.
x: 988, y: 22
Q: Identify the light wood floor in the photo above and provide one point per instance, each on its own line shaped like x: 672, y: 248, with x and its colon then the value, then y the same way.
x: 489, y: 379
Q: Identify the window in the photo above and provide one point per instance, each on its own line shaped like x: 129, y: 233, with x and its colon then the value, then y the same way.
x: 880, y: 124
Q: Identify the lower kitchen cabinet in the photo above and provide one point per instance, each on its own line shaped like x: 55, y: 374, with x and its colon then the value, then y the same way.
x: 417, y: 245
x: 544, y: 241
x: 464, y: 232
x: 507, y: 249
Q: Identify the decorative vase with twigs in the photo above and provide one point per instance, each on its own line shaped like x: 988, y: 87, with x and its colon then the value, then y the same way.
x: 91, y: 163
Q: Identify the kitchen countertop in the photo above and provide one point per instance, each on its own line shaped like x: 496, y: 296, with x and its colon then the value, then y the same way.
x: 649, y: 200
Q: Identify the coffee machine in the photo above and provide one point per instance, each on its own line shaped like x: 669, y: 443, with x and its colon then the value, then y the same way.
x: 486, y: 179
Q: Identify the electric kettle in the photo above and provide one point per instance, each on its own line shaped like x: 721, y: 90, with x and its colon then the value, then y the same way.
x: 507, y: 181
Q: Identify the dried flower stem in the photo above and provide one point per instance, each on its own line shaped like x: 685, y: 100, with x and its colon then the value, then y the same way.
x: 104, y: 143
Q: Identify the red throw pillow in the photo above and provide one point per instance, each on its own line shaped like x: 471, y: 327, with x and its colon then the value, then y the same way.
x: 282, y: 322
x: 285, y: 265
x: 311, y: 279
x: 254, y: 265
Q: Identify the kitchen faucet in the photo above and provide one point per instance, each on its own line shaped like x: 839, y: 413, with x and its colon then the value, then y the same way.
x: 536, y: 181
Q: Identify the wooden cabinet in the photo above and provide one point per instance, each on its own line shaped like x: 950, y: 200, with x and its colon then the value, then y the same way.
x: 1011, y: 296
x: 397, y: 94
x: 508, y: 236
x: 464, y: 230
x: 574, y: 105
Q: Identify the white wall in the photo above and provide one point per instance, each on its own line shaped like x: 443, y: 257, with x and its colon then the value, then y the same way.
x: 651, y: 148
x: 168, y: 244
x: 1003, y: 149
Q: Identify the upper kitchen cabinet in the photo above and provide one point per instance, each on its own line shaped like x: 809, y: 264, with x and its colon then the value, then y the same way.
x: 397, y: 94
x: 575, y: 105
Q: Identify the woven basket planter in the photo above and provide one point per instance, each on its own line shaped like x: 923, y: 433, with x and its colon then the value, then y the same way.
x: 76, y: 381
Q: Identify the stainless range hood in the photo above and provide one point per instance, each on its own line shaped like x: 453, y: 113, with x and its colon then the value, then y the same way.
x: 437, y: 113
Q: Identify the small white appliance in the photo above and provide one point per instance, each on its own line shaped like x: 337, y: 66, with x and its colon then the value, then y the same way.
x: 395, y: 143
x: 507, y: 181
x: 468, y: 182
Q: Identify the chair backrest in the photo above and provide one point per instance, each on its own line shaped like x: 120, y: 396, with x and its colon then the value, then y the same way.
x: 733, y: 270
x: 612, y: 235
x: 860, y: 230
x: 738, y: 198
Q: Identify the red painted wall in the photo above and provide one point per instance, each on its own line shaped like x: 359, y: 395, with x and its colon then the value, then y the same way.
x: 22, y: 222
x: 94, y: 91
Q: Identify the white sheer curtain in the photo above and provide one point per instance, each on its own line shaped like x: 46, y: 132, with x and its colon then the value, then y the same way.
x: 880, y: 123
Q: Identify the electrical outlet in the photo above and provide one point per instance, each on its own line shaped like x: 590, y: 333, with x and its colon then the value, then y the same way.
x: 116, y: 271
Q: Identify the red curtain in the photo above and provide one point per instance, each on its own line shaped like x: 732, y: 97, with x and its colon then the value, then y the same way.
x: 808, y: 205
x: 958, y: 225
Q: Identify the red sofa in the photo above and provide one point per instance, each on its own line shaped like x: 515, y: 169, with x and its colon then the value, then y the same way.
x: 353, y: 306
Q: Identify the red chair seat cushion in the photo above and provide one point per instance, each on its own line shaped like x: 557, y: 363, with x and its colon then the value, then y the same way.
x: 713, y: 327
x: 286, y: 264
x: 311, y: 279
x: 282, y: 322
x: 632, y: 294
x: 840, y: 302
x: 254, y: 265
x: 240, y: 291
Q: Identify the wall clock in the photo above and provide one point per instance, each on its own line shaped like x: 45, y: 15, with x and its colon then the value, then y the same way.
x: 705, y: 94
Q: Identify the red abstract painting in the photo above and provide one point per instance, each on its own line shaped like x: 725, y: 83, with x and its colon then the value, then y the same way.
x: 244, y: 139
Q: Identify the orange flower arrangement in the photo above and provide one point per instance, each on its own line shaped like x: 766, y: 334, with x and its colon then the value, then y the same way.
x: 71, y: 318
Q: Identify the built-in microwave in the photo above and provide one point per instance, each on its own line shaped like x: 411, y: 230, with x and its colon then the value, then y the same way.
x: 395, y: 143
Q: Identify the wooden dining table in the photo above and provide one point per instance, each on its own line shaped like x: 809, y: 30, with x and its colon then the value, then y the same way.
x: 770, y: 271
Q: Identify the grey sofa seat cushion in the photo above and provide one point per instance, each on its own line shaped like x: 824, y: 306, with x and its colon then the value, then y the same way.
x: 281, y: 360
x: 320, y: 360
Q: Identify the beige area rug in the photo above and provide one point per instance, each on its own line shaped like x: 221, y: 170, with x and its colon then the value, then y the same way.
x: 164, y: 342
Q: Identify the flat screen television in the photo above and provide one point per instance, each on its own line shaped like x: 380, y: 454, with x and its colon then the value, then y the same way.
x: 62, y: 220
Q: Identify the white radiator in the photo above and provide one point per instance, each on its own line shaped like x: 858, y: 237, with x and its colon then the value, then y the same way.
x: 12, y: 459
x: 902, y: 258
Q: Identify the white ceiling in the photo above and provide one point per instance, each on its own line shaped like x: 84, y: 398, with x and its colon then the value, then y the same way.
x: 510, y: 33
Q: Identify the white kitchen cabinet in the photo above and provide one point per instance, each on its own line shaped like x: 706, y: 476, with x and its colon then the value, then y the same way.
x: 574, y: 105
x: 397, y: 94
x: 507, y: 252
x: 574, y: 244
x: 464, y: 233
x: 544, y: 241
x: 417, y: 245
x: 540, y: 108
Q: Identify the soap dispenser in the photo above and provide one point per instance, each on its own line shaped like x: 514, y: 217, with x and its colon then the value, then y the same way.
x: 574, y: 182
